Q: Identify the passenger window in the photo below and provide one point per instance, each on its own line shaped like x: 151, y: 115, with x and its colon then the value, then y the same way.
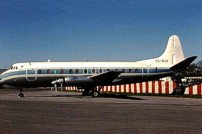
x: 136, y: 70
x: 85, y: 71
x: 93, y: 71
x: 48, y: 71
x: 130, y: 70
x: 100, y: 71
x: 77, y: 71
x: 70, y: 71
x: 123, y: 70
x: 61, y: 71
x: 39, y: 71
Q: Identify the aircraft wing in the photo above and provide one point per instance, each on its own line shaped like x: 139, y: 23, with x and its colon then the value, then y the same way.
x: 103, y: 78
x: 106, y: 76
x: 183, y: 64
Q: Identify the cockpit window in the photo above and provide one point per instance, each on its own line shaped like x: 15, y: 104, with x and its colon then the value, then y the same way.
x: 13, y: 67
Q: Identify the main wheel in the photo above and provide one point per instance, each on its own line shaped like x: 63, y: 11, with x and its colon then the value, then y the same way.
x: 95, y: 93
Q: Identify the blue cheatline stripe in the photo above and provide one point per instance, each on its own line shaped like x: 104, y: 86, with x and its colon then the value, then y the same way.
x: 13, y: 73
x: 78, y: 71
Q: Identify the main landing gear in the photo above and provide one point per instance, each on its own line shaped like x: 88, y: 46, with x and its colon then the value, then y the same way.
x: 180, y: 86
x: 20, y: 94
x: 179, y: 90
x: 95, y: 92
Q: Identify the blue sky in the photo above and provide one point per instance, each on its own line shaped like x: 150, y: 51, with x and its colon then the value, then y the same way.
x: 96, y: 30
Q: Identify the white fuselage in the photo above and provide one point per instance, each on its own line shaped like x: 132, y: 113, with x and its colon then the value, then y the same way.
x: 33, y: 74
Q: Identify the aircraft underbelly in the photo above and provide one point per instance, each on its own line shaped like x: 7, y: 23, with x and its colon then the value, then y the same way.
x: 46, y: 81
x: 23, y: 82
x: 125, y: 79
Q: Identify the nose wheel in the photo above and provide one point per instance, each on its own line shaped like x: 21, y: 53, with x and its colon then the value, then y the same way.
x: 20, y: 94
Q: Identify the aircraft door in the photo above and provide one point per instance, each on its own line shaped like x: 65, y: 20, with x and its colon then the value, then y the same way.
x: 31, y: 74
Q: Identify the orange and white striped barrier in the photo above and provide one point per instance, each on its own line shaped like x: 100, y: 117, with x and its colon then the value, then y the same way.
x: 151, y: 87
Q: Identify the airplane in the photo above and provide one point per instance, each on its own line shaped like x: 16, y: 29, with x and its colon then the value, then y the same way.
x: 92, y: 76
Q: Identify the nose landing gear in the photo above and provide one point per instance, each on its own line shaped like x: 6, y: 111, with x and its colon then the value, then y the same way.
x: 20, y: 94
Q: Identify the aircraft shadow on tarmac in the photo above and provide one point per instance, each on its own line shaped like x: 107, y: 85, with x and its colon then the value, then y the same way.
x: 78, y: 95
x: 118, y: 96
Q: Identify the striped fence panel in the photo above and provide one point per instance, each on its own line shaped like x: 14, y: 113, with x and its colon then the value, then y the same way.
x: 151, y: 87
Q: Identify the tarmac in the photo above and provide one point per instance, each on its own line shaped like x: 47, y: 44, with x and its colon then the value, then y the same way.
x: 42, y: 111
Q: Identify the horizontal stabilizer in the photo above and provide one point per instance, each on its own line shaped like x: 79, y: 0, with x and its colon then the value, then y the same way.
x: 183, y: 64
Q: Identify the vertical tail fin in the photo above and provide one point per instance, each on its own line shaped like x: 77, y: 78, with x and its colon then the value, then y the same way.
x: 173, y: 53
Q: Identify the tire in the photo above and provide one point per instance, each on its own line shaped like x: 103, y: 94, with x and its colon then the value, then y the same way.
x: 95, y: 93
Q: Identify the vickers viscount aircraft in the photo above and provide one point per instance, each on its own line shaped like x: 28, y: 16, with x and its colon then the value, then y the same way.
x: 91, y: 76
